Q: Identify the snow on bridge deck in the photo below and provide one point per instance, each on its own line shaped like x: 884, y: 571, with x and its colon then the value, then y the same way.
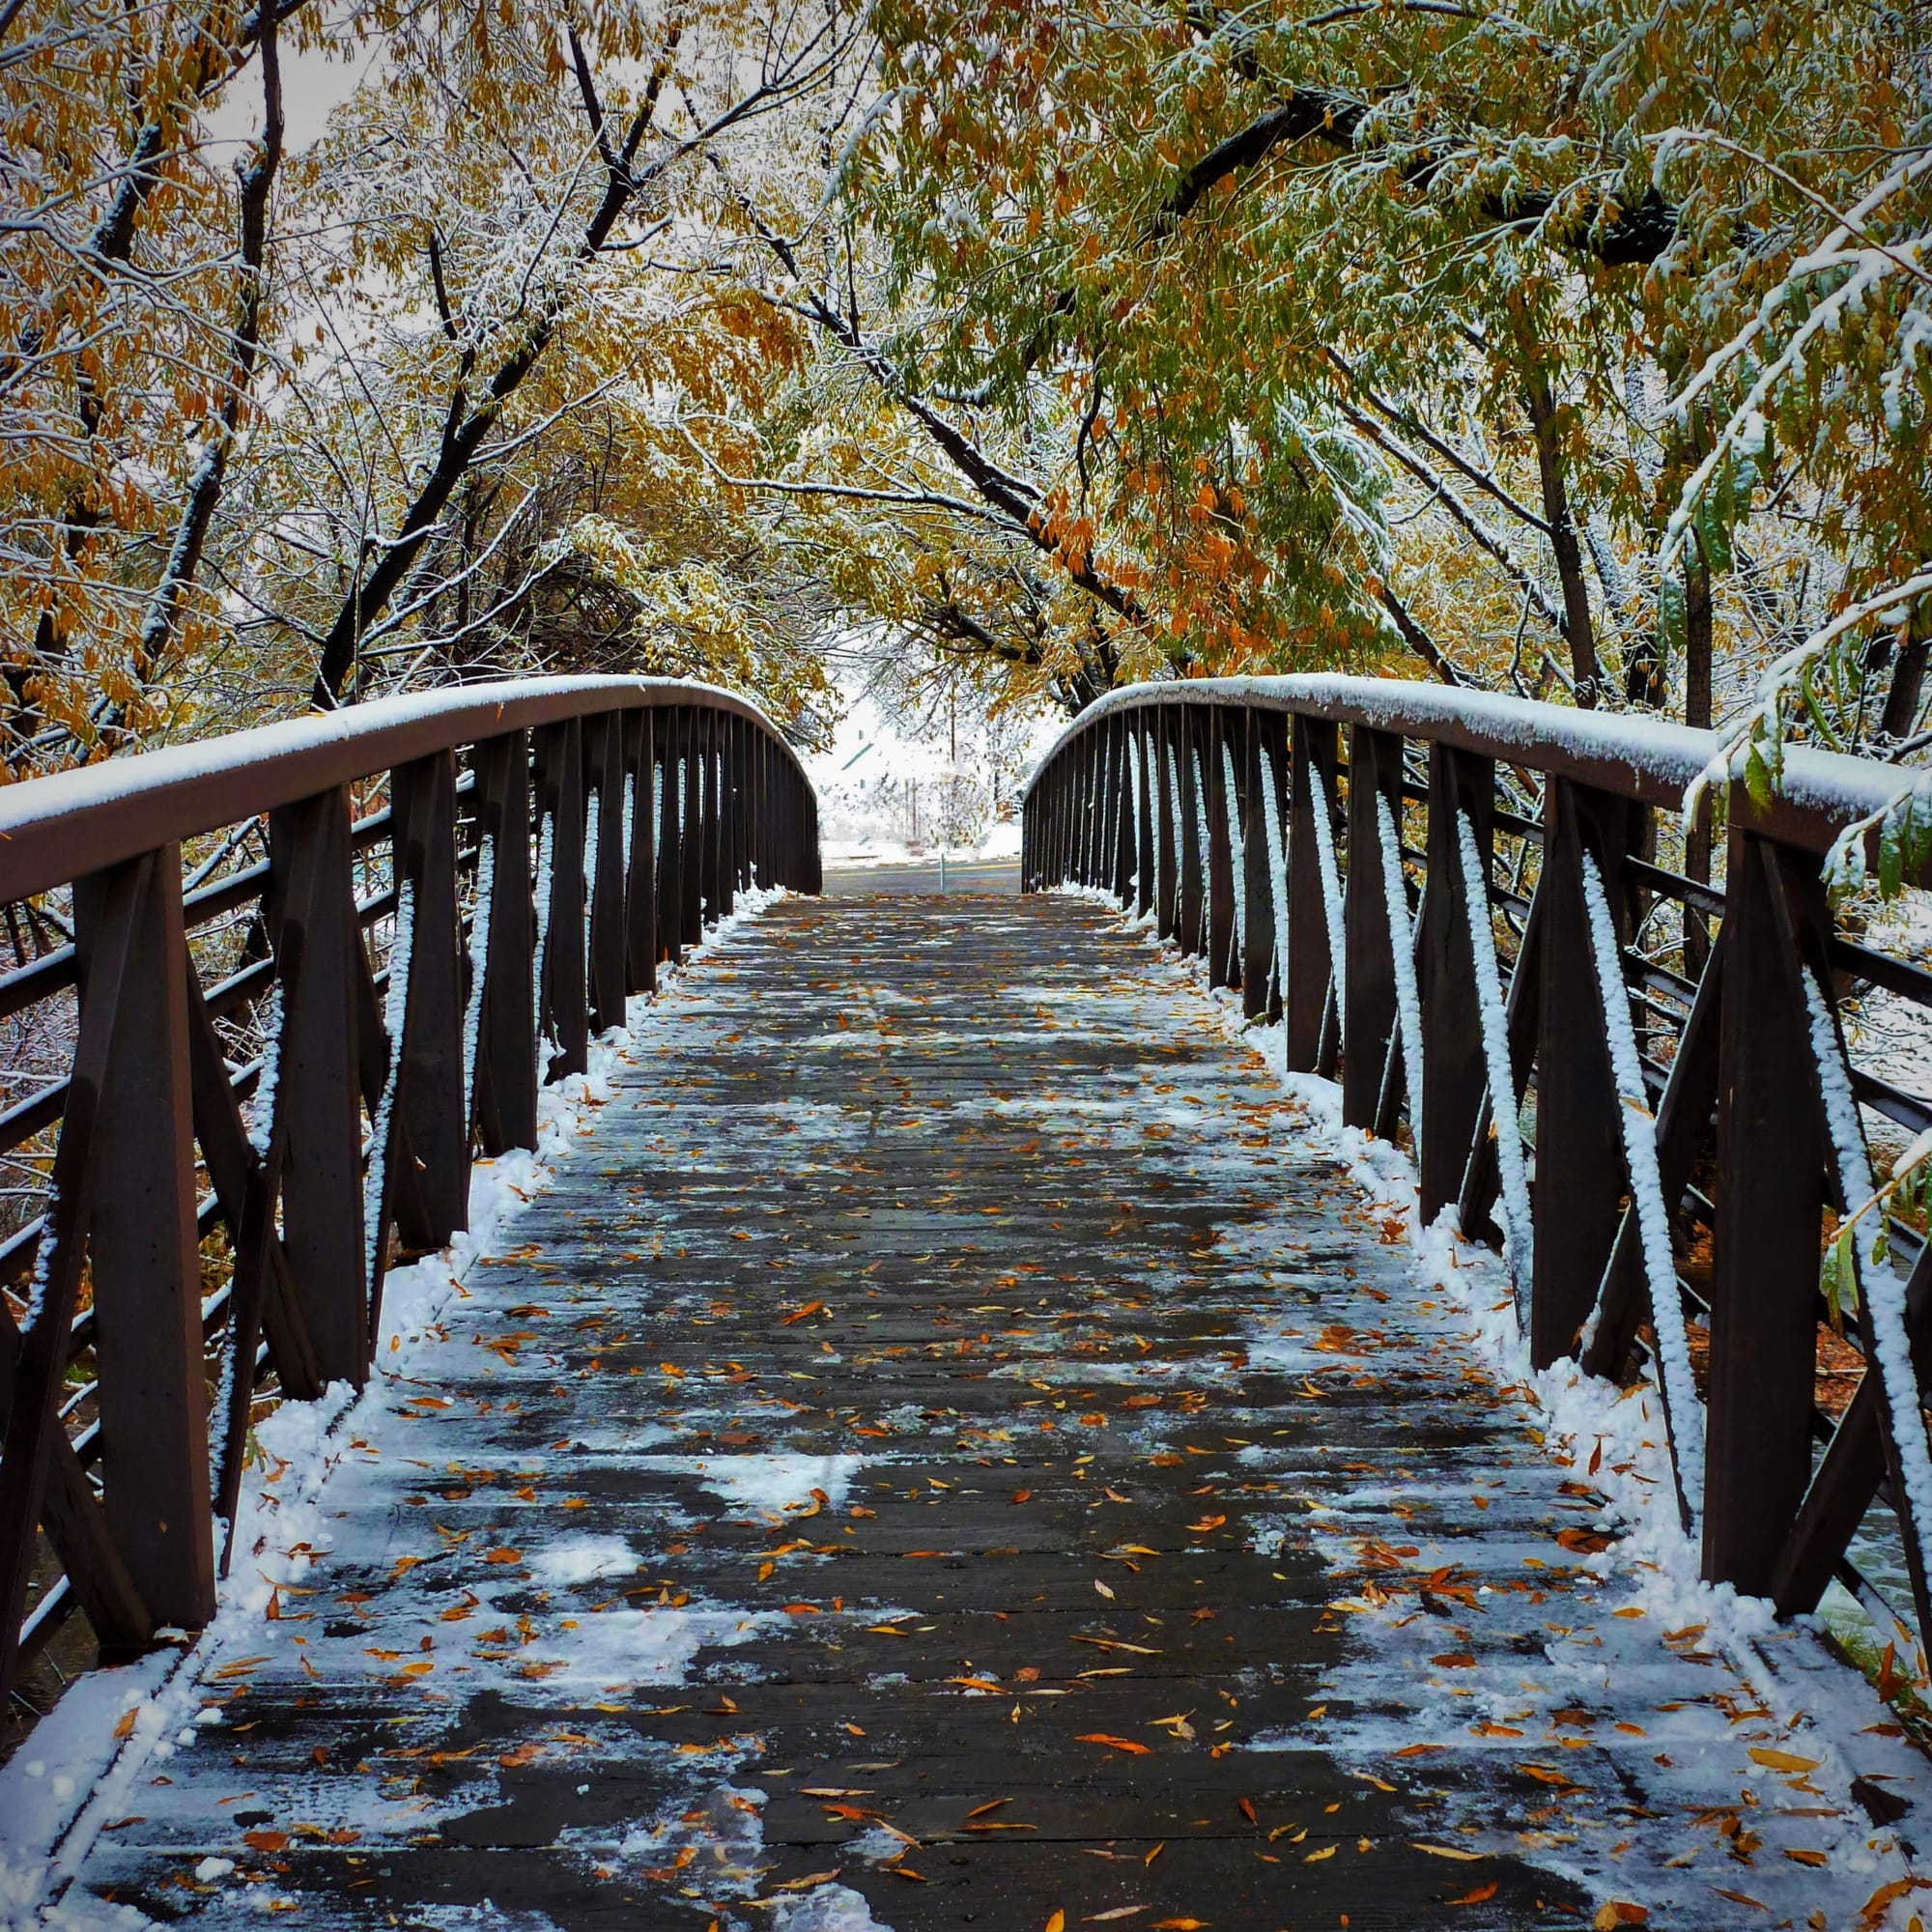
x: 956, y: 1447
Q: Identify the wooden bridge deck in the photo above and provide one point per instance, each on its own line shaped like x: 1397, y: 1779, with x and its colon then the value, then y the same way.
x: 924, y: 1438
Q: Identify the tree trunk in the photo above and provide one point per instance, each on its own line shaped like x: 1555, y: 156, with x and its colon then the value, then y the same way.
x: 1578, y: 629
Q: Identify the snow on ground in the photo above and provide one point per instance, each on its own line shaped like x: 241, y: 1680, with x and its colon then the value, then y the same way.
x: 78, y: 1770
x: 1773, y: 1753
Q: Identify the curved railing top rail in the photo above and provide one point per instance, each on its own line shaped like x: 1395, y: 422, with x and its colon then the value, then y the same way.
x: 57, y: 828
x: 1649, y: 758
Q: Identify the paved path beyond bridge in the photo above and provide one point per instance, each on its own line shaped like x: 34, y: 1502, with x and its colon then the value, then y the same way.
x: 951, y: 1450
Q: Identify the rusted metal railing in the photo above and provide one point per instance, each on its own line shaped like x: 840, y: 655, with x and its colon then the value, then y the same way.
x: 1474, y: 894
x: 260, y: 1082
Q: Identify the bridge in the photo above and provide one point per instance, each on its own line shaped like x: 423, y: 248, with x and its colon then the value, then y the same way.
x: 557, y: 1376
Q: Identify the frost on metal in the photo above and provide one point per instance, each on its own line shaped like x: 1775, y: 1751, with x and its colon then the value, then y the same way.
x: 1686, y: 1413
x: 1503, y: 1109
x: 1883, y: 1289
x: 395, y: 1012
x: 1277, y: 865
x: 479, y: 966
x: 1401, y: 944
x: 1237, y: 847
x: 1331, y: 899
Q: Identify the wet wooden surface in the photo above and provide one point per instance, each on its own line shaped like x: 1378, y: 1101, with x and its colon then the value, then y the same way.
x: 944, y: 1436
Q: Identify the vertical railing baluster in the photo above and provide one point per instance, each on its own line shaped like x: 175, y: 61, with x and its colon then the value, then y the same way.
x: 1770, y: 1195
x: 1579, y: 1166
x: 566, y: 1013
x: 430, y: 1088
x: 319, y: 1085
x: 503, y: 1052
x: 604, y: 762
x: 670, y: 846
x: 641, y: 881
x: 1257, y: 960
x: 1453, y: 1072
x: 691, y: 826
x: 1306, y: 993
x: 144, y: 1256
x: 1375, y: 785
x: 1223, y: 960
x: 1191, y: 928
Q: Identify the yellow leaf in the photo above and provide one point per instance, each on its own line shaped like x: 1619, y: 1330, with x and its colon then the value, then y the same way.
x: 1777, y: 1760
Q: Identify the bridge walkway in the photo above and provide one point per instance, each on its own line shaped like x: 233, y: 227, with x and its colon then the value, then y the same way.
x: 951, y: 1448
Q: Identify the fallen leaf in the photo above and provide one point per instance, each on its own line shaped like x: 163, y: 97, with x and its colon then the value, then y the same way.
x: 1777, y: 1760
x: 1481, y: 1895
x: 1617, y: 1911
x: 1448, y: 1852
x: 1056, y: 1923
x: 1114, y: 1743
x: 266, y: 1841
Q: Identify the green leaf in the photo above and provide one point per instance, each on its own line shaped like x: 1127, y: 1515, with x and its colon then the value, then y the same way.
x: 1757, y: 776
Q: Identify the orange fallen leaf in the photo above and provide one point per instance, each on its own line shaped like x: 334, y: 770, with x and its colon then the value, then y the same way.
x: 266, y: 1841
x: 1128, y: 1745
x: 504, y: 1555
x: 1777, y: 1760
x: 1481, y: 1895
x: 1056, y: 1922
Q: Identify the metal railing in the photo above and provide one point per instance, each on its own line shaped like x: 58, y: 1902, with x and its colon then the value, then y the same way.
x: 1473, y: 896
x: 263, y: 1071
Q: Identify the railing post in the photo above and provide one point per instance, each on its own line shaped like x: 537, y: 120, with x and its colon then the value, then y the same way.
x: 1374, y: 781
x: 1770, y: 1196
x: 1126, y: 822
x: 430, y: 1084
x: 671, y: 845
x: 604, y: 748
x: 640, y: 884
x: 1454, y: 1074
x: 318, y: 1098
x: 33, y: 1438
x: 1166, y: 813
x: 504, y: 1070
x: 1257, y: 962
x: 1579, y: 1163
x: 145, y: 1260
x: 1144, y: 848
x: 1192, y: 932
x: 1306, y: 991
x: 1224, y: 964
x: 690, y: 823
x: 565, y: 996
